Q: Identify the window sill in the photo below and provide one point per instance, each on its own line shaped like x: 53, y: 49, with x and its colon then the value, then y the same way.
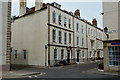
x: 54, y: 42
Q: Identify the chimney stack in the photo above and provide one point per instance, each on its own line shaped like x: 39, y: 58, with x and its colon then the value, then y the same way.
x: 38, y: 4
x: 94, y: 22
x: 22, y: 9
x: 77, y: 13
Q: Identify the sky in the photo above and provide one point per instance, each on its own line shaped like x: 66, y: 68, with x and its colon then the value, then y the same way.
x: 88, y: 9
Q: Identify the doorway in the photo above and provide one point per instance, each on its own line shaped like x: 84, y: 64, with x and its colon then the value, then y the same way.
x: 78, y: 54
x: 98, y: 54
x: 68, y: 56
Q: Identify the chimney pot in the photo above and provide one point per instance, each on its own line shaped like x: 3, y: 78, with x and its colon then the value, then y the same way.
x: 77, y: 13
x: 38, y: 4
x: 94, y: 22
x: 22, y: 9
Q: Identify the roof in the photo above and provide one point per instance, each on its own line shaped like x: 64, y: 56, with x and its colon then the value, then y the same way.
x: 32, y: 11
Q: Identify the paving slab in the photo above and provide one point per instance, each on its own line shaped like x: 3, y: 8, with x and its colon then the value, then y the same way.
x: 18, y: 74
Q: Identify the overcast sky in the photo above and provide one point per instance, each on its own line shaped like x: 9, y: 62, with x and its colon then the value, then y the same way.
x: 89, y: 10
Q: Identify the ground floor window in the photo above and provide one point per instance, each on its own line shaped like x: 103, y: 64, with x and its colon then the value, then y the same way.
x: 114, y: 55
x: 62, y: 53
x: 15, y: 54
x: 55, y: 54
x: 83, y: 55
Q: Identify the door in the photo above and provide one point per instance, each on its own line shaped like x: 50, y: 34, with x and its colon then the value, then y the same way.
x: 68, y: 56
x: 98, y: 54
x: 78, y: 54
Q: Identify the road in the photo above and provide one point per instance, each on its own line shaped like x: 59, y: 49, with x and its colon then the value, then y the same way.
x: 69, y: 71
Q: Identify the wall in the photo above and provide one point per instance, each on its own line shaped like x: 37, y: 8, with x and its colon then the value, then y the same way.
x: 110, y: 18
x: 30, y: 33
x: 80, y: 35
x: 5, y: 10
x: 91, y: 35
x: 63, y: 29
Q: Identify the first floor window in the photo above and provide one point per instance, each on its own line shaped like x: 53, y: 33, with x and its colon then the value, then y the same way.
x: 59, y: 19
x: 114, y: 55
x: 60, y: 37
x: 69, y: 23
x: 54, y: 17
x: 77, y: 27
x: 55, y: 54
x: 77, y: 41
x: 82, y: 42
x: 69, y: 38
x: 82, y: 29
x: 62, y: 53
x: 88, y: 31
x: 65, y: 21
x: 53, y: 35
x: 65, y: 38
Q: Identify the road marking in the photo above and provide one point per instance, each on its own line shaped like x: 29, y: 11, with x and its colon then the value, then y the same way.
x: 29, y: 76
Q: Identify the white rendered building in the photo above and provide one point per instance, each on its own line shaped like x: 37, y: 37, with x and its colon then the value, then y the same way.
x: 47, y: 35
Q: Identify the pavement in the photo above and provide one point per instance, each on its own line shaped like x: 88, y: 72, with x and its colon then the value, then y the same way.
x: 18, y: 74
x: 81, y: 70
x: 102, y: 72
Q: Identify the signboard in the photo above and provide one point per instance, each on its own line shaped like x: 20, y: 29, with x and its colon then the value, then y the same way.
x: 115, y: 43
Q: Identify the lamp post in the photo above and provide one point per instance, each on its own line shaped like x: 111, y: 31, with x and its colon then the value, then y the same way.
x: 45, y: 55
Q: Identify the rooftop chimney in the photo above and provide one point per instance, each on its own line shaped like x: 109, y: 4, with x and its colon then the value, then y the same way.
x: 77, y: 13
x: 22, y: 9
x: 94, y: 22
x: 38, y: 4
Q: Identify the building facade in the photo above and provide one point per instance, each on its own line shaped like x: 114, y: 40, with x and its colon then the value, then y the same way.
x: 5, y: 35
x: 111, y: 17
x: 48, y: 35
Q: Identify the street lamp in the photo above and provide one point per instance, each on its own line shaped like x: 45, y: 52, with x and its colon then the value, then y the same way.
x: 106, y: 32
x: 45, y: 55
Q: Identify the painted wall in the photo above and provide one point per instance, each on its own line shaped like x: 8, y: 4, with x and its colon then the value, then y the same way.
x: 3, y: 31
x: 63, y: 29
x: 30, y: 33
x: 91, y: 35
x: 110, y: 19
x: 80, y: 34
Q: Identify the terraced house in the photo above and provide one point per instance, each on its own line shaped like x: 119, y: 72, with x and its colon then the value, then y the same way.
x: 46, y: 35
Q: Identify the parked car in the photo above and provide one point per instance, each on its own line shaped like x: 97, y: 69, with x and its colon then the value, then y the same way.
x: 64, y: 62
